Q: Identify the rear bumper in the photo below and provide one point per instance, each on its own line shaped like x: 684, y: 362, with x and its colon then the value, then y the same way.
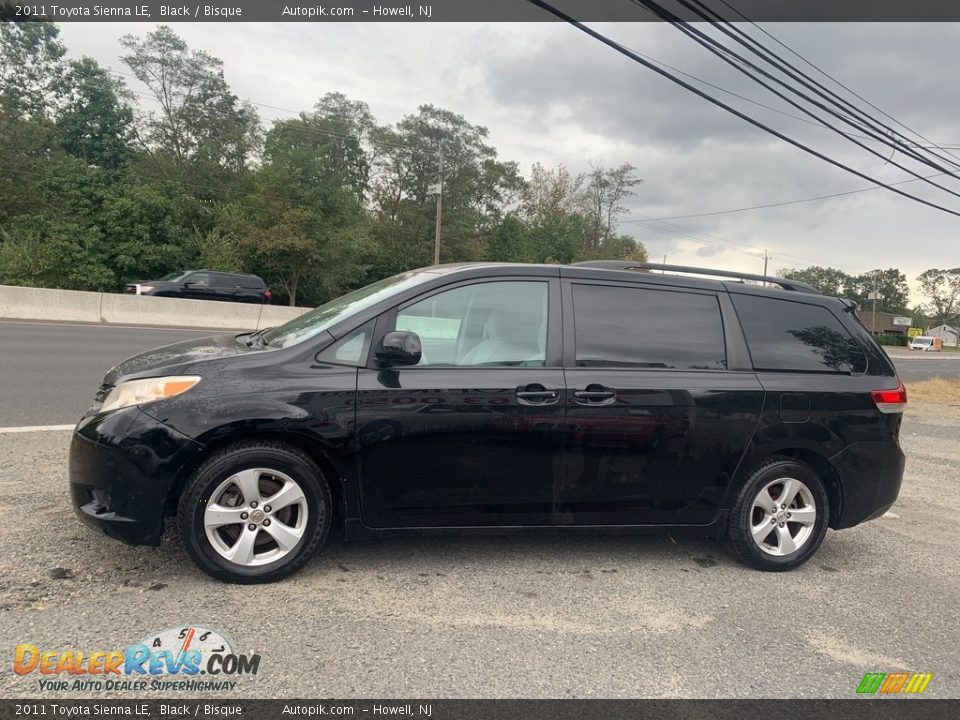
x: 122, y: 467
x: 870, y: 475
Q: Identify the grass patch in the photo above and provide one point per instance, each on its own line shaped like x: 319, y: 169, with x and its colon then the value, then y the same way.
x: 939, y: 391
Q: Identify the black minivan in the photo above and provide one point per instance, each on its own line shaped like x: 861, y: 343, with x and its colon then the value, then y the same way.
x: 604, y: 394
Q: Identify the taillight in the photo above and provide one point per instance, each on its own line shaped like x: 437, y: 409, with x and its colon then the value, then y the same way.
x: 890, y: 401
x: 267, y: 296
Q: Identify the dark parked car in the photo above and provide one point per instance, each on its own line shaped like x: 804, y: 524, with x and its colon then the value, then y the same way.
x: 496, y: 395
x: 205, y: 285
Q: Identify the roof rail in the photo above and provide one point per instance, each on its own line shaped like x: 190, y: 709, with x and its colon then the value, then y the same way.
x: 794, y: 285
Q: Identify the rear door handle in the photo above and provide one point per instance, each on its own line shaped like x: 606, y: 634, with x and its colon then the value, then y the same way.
x: 595, y: 394
x: 536, y: 394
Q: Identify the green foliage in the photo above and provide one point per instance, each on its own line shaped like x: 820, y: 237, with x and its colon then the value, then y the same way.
x: 891, y: 285
x: 893, y: 340
x: 943, y: 289
x: 97, y: 191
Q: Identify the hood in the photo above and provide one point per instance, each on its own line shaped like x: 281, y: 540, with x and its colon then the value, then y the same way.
x: 170, y: 359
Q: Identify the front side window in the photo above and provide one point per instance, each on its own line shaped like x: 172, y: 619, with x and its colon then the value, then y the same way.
x: 797, y: 336
x: 199, y: 280
x: 486, y: 324
x: 643, y: 328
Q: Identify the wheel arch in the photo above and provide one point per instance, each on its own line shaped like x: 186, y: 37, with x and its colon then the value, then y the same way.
x: 323, y: 457
x: 819, y: 463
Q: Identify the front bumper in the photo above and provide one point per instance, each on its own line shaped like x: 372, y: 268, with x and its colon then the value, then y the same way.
x: 122, y: 467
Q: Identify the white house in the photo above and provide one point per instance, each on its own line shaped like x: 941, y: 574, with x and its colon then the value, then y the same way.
x: 947, y: 333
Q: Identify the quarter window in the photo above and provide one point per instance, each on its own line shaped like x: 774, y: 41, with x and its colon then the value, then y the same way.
x: 638, y: 327
x: 486, y: 324
x: 797, y: 336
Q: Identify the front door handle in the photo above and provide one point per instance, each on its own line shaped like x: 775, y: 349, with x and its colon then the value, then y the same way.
x: 595, y: 394
x: 537, y: 394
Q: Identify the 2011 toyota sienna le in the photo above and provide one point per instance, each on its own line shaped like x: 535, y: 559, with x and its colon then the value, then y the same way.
x: 499, y: 396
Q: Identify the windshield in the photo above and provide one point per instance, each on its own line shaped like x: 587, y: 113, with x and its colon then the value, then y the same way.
x: 169, y: 277
x: 316, y: 321
x: 922, y: 341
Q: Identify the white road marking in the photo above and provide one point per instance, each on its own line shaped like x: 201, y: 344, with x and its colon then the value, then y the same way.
x: 889, y: 514
x: 35, y: 428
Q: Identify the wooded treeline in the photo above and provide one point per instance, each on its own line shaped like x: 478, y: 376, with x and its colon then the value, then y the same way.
x: 101, y: 184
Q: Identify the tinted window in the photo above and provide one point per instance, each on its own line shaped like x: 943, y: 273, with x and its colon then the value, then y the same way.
x: 223, y: 280
x: 198, y: 279
x: 636, y: 327
x: 486, y: 324
x: 351, y: 349
x: 786, y: 335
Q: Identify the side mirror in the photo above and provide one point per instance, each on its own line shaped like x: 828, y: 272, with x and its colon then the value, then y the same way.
x: 399, y: 348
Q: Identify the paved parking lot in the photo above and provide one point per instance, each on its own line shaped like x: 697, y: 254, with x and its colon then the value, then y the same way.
x: 514, y: 616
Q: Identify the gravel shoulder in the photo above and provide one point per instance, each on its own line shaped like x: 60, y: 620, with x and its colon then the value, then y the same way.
x: 514, y: 616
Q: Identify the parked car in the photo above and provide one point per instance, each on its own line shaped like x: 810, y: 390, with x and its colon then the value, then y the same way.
x: 205, y: 285
x: 502, y: 395
x: 925, y: 344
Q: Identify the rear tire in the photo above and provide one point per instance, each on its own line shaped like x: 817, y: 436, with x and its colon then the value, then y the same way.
x: 780, y: 516
x: 255, y: 512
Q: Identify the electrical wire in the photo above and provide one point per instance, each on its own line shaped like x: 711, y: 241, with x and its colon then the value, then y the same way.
x: 784, y: 66
x: 741, y: 64
x: 946, y: 147
x: 633, y: 56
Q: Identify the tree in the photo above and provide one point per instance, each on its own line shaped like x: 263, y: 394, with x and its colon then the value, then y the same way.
x: 891, y: 284
x: 304, y: 209
x: 95, y: 124
x: 510, y: 242
x: 827, y: 280
x: 202, y: 127
x: 31, y: 68
x: 943, y: 289
x: 605, y: 192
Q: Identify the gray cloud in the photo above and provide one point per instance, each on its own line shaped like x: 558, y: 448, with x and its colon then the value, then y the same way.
x: 548, y: 93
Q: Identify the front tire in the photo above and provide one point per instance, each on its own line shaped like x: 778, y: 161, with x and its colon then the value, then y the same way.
x: 780, y: 516
x: 255, y: 512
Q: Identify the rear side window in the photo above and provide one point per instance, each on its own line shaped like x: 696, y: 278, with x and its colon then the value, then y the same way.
x: 796, y: 336
x: 638, y: 327
x: 222, y: 280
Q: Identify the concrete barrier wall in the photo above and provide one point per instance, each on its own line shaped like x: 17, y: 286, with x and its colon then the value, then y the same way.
x: 22, y: 303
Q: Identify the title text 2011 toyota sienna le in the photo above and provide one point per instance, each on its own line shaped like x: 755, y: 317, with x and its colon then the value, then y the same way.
x: 489, y: 395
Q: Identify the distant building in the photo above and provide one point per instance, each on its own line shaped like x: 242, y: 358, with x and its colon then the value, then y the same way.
x: 947, y: 333
x: 886, y: 324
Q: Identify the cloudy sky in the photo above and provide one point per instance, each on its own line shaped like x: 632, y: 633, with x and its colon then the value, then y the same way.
x: 550, y: 94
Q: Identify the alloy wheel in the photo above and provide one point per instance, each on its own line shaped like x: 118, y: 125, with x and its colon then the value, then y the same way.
x: 256, y: 516
x: 783, y: 516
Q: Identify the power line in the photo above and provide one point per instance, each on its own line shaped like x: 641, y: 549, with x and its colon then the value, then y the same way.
x: 741, y: 64
x: 899, y: 140
x: 941, y: 146
x: 780, y: 204
x: 630, y: 54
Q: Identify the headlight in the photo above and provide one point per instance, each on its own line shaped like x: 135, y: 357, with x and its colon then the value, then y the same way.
x: 138, y: 392
x: 146, y: 288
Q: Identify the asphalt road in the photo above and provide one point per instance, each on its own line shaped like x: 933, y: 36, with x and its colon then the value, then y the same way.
x: 50, y: 371
x: 511, y: 616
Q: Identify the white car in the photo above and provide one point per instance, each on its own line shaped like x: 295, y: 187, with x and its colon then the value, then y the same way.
x: 924, y: 344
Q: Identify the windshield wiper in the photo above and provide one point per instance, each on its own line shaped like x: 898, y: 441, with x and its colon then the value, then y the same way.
x: 256, y: 338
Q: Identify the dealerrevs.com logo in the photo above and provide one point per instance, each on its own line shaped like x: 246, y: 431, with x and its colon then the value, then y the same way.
x: 190, y: 658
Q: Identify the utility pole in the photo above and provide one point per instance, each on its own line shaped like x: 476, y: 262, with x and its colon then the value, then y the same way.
x: 766, y: 257
x: 875, y: 295
x: 436, y: 237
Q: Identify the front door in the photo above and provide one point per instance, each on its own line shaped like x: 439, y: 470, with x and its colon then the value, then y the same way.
x: 472, y: 435
x: 656, y: 421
